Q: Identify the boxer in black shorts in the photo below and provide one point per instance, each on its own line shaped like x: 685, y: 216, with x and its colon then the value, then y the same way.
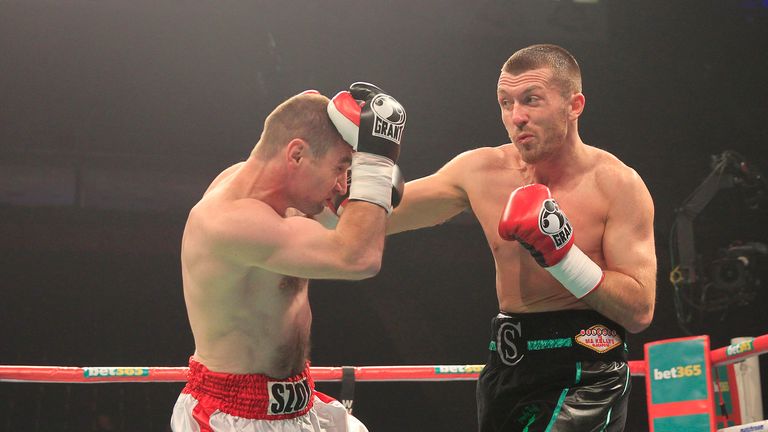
x: 555, y: 371
x: 599, y: 259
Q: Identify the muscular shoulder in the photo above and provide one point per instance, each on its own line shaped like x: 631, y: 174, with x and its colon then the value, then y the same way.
x: 614, y: 178
x: 483, y: 158
x: 227, y: 173
x: 219, y: 209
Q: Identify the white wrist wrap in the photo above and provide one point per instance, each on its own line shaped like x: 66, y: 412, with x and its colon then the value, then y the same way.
x: 372, y: 179
x: 577, y: 272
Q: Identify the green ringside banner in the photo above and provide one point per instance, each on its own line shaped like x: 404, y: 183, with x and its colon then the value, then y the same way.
x: 679, y: 382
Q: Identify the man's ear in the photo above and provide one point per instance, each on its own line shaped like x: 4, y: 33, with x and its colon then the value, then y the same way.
x: 576, y: 106
x: 296, y: 150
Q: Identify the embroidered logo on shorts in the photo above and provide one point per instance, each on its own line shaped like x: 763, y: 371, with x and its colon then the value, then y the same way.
x: 287, y: 397
x: 505, y: 343
x: 599, y: 338
x: 553, y: 223
x: 389, y: 118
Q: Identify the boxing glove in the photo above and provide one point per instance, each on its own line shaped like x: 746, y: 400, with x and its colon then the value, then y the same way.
x: 329, y: 217
x: 372, y: 122
x: 533, y: 218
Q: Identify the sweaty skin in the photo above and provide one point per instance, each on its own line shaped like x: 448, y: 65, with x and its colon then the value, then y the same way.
x: 607, y: 203
x: 237, y: 311
x: 246, y: 263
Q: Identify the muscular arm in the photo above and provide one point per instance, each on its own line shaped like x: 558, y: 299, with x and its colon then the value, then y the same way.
x: 431, y: 200
x: 251, y: 233
x: 627, y: 295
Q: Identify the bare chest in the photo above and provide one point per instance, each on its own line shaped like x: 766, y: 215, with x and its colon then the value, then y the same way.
x: 581, y: 201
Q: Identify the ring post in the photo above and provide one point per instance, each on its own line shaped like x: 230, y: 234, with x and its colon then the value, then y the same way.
x: 728, y: 407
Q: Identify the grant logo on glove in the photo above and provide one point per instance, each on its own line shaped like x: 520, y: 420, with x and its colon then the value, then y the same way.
x: 389, y: 117
x: 552, y: 222
x: 530, y: 212
x: 372, y: 122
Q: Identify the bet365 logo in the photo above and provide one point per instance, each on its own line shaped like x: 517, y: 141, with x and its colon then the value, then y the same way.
x: 677, y: 372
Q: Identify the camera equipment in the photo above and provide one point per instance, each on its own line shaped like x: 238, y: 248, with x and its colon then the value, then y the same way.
x: 731, y: 278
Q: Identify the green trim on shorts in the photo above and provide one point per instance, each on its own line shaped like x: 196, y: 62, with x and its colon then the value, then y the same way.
x: 610, y: 410
x: 607, y: 419
x: 577, y: 381
x: 530, y: 422
x: 542, y: 344
x: 556, y: 412
x: 563, y: 395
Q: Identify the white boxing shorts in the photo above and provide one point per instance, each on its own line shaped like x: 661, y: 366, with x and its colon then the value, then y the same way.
x: 221, y: 402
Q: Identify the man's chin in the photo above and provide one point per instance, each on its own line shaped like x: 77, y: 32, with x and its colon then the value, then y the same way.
x: 534, y: 156
x: 530, y: 157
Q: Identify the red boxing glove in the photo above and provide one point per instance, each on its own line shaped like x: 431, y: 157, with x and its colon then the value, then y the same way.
x: 533, y: 218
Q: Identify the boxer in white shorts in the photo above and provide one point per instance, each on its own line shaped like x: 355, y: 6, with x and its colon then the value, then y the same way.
x: 214, y: 401
x: 250, y: 245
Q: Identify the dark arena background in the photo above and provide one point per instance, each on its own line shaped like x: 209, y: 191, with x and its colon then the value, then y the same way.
x: 115, y: 115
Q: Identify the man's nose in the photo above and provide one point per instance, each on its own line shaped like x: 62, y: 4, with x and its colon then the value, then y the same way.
x: 519, y: 116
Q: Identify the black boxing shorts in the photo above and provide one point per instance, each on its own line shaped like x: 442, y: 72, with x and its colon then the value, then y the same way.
x: 556, y: 372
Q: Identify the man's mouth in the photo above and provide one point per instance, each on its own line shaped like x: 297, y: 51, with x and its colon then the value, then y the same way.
x: 523, y: 138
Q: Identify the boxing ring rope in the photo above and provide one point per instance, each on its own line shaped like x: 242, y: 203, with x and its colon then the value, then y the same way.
x: 110, y: 374
x: 86, y: 375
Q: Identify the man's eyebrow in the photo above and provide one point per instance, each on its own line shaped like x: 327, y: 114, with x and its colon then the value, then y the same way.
x: 532, y: 88
x: 527, y: 90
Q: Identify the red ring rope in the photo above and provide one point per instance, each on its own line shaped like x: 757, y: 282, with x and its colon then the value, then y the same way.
x: 84, y: 375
